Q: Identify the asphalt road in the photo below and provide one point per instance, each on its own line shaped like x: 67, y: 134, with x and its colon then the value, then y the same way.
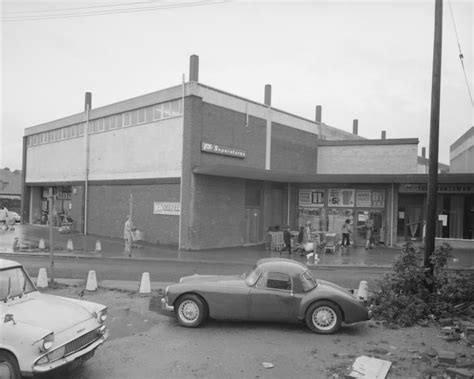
x: 169, y: 271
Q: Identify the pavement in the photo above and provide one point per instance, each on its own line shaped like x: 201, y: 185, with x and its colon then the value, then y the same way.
x: 30, y: 237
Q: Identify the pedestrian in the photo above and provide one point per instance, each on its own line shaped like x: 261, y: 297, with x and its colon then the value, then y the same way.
x: 369, y: 243
x: 127, y: 235
x: 346, y: 230
x: 3, y: 216
x: 287, y: 239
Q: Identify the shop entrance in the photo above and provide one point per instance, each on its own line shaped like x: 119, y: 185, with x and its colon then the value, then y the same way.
x: 413, y: 225
x: 366, y: 217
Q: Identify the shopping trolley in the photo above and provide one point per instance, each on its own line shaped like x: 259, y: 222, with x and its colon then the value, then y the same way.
x: 330, y: 243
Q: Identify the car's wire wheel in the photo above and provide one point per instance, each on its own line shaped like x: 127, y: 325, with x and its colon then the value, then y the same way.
x: 190, y: 310
x: 324, y: 317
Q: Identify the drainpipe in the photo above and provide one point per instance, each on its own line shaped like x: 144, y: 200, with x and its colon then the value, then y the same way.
x: 88, y: 102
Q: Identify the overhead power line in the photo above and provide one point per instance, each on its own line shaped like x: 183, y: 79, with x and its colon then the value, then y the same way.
x: 461, y: 56
x: 110, y: 11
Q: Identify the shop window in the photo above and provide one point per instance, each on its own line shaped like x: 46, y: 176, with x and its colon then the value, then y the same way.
x: 166, y: 110
x: 127, y: 121
x: 157, y: 112
x: 141, y: 115
x: 175, y: 108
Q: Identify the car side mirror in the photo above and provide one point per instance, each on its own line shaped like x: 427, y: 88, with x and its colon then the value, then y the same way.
x: 8, y: 318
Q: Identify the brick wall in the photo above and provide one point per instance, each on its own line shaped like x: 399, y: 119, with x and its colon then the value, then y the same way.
x: 368, y: 159
x: 293, y: 150
x: 109, y: 207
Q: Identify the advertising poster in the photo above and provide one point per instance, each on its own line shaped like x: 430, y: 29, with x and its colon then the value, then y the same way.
x: 166, y: 208
x: 370, y: 199
x: 341, y: 197
x: 311, y: 198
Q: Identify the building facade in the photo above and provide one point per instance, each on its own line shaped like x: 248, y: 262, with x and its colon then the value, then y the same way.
x: 202, y: 168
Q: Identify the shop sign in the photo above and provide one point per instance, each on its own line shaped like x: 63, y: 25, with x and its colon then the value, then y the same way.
x: 166, y: 208
x: 369, y: 198
x: 212, y: 148
x: 311, y: 198
x: 442, y: 188
x: 341, y: 197
x: 63, y: 196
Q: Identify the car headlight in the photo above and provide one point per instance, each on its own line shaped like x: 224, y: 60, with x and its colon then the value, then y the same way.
x: 102, y: 316
x: 47, y: 342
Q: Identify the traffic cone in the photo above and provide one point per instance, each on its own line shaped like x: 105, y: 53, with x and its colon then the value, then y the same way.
x: 98, y: 246
x: 145, y: 286
x: 42, y: 245
x: 70, y: 246
x: 42, y: 280
x: 91, y: 284
x: 363, y: 290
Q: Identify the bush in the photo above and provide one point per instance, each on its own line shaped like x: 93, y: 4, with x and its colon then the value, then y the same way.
x: 410, y: 293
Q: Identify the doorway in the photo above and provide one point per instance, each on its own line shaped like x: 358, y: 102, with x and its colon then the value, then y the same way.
x: 253, y: 222
x: 365, y: 216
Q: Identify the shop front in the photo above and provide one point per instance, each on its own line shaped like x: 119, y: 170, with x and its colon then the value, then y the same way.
x: 328, y: 208
x: 39, y: 205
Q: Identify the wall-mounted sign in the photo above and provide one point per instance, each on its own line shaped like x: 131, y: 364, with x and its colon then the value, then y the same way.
x: 442, y: 188
x: 340, y: 197
x: 368, y: 198
x: 166, y: 208
x: 212, y: 148
x: 311, y: 198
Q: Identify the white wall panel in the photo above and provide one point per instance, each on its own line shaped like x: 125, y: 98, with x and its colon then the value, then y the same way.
x: 152, y: 150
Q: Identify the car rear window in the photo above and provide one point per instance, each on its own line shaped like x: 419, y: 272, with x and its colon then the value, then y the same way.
x: 307, y: 281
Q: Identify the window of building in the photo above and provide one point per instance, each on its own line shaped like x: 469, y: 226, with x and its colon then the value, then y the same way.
x: 80, y: 129
x: 166, y: 110
x: 127, y: 119
x: 157, y: 112
x: 100, y: 124
x: 134, y: 117
x: 118, y: 121
x: 275, y: 280
x: 141, y: 115
x: 149, y: 114
x: 73, y: 130
x: 175, y: 108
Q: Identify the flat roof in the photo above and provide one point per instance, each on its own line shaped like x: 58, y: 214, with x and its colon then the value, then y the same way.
x: 460, y: 140
x: 291, y: 177
x: 392, y: 141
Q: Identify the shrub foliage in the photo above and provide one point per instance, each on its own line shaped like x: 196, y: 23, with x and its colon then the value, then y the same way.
x: 410, y: 293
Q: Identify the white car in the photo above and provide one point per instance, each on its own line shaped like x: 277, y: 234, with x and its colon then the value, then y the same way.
x: 41, y: 332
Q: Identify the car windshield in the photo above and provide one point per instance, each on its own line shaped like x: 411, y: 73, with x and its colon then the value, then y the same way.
x: 14, y: 282
x: 252, y: 275
x: 307, y: 281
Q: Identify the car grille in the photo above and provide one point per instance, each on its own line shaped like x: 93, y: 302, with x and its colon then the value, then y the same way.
x: 81, y: 342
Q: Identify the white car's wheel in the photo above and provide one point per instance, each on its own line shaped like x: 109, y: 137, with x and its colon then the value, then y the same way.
x: 190, y: 310
x: 8, y: 366
x: 324, y: 317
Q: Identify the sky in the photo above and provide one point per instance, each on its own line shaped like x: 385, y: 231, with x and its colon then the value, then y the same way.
x: 365, y: 60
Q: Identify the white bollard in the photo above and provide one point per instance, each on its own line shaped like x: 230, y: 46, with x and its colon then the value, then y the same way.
x: 145, y: 285
x: 42, y: 279
x: 70, y: 246
x: 363, y: 290
x: 42, y: 245
x: 91, y: 284
x: 98, y: 246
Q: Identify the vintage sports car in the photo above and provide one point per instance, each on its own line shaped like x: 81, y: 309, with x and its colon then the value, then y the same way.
x: 275, y: 289
x: 41, y: 332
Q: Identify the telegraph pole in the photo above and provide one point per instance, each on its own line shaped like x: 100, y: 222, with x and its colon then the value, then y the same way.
x: 51, y: 242
x: 431, y: 219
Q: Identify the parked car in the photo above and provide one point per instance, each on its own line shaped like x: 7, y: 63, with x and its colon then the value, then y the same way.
x: 41, y: 332
x: 275, y: 289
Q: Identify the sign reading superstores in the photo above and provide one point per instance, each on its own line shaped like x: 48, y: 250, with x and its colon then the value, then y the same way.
x: 166, y: 208
x: 212, y: 148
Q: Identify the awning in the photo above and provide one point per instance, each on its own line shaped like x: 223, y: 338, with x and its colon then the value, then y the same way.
x: 233, y: 171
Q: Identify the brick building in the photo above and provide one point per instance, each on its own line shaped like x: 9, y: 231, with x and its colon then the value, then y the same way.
x: 202, y: 168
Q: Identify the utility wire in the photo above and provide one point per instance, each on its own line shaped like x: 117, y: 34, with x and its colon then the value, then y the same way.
x: 461, y: 56
x: 79, y: 8
x: 108, y: 12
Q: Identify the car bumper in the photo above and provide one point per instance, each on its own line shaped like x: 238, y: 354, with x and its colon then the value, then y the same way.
x: 85, y: 354
x: 165, y: 306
